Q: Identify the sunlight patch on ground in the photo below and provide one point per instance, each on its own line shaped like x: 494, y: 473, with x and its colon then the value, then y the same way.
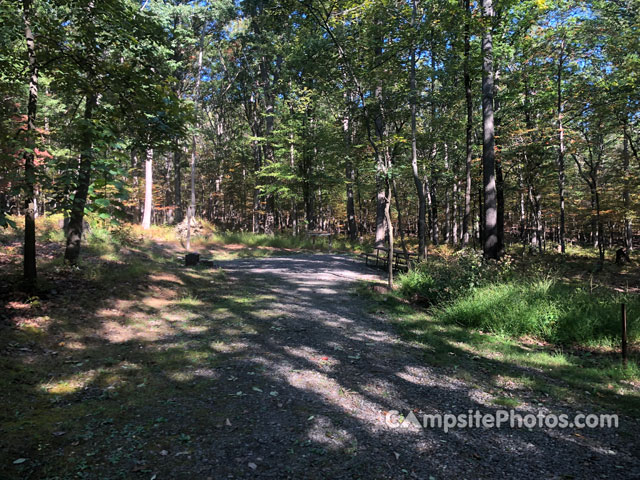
x: 114, y: 332
x: 228, y: 347
x: 69, y: 385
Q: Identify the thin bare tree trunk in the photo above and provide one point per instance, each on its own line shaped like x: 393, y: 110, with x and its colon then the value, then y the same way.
x: 148, y: 189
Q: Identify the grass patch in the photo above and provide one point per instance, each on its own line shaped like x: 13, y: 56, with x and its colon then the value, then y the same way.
x: 503, y: 363
x: 254, y: 241
x: 501, y: 299
x: 508, y: 402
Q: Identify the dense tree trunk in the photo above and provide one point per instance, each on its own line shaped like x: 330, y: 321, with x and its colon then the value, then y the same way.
x: 499, y: 172
x: 76, y: 217
x: 29, y: 270
x: 466, y: 219
x: 490, y: 244
x: 148, y: 189
x: 422, y: 202
x: 560, y: 158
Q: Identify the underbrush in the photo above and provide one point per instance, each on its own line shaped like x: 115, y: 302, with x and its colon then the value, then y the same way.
x: 281, y: 241
x: 502, y: 299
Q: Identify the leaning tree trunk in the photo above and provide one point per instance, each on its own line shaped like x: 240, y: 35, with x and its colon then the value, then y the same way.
x: 30, y: 272
x: 76, y: 216
x: 490, y: 246
x: 148, y: 189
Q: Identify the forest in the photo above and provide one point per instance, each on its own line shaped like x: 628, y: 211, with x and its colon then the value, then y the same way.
x: 463, y: 124
x: 491, y: 147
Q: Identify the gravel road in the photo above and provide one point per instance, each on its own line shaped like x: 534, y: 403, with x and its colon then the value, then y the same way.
x: 307, y: 397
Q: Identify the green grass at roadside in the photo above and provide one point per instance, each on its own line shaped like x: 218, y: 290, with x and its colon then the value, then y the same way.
x: 506, y: 364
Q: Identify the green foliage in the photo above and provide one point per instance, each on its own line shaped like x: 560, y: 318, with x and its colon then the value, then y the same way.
x: 498, y: 300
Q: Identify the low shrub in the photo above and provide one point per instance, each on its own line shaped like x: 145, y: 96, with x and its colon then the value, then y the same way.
x: 494, y: 298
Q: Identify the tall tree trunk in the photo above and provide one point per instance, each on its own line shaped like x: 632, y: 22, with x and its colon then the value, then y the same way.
x: 422, y: 202
x: 626, y: 197
x: 454, y: 214
x: 600, y: 226
x: 148, y: 189
x: 560, y: 159
x: 499, y: 173
x: 523, y: 215
x: 257, y: 165
x: 500, y: 204
x: 400, y: 222
x: 29, y: 270
x: 490, y: 246
x: 269, y: 156
x: 76, y: 217
x: 446, y: 230
x: 534, y: 200
x: 435, y: 231
x: 348, y: 137
x: 380, y: 211
x: 191, y: 212
x: 469, y: 126
x: 595, y: 238
x: 382, y: 182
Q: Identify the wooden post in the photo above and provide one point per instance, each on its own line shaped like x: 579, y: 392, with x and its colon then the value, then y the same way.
x: 624, y: 335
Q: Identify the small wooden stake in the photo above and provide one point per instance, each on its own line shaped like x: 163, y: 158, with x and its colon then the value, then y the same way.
x: 624, y: 335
